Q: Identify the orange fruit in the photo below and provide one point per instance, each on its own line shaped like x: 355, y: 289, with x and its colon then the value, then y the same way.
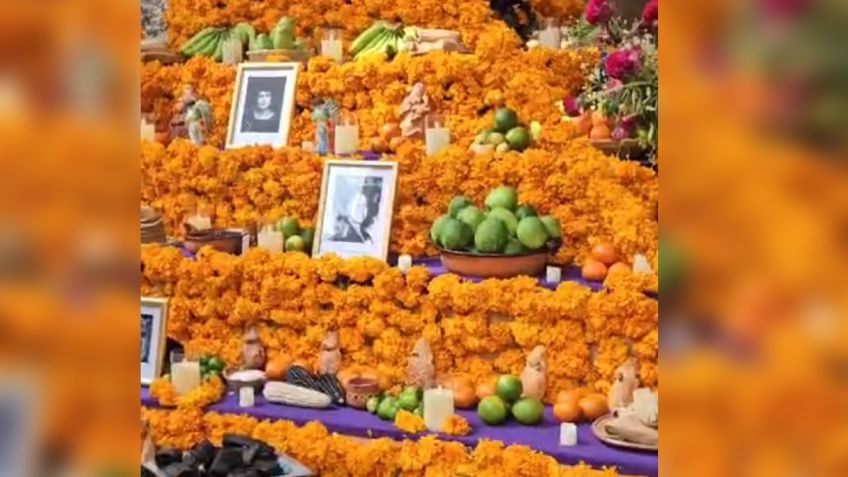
x: 605, y: 253
x: 593, y: 406
x: 567, y: 411
x: 390, y: 131
x: 598, y: 119
x: 379, y: 144
x: 275, y: 369
x: 594, y: 270
x: 584, y: 124
x: 464, y: 397
x: 600, y: 131
x: 575, y: 395
x: 619, y: 267
x: 485, y: 390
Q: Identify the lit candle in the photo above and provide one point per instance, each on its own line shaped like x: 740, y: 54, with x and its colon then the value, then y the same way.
x: 233, y: 51
x: 270, y: 239
x: 550, y: 35
x: 200, y: 222
x: 346, y: 136
x: 567, y: 434
x: 436, y: 135
x: 438, y: 408
x: 246, y: 396
x: 308, y: 146
x: 331, y: 44
x: 404, y: 263
x: 185, y: 376
x: 148, y: 130
x: 553, y: 275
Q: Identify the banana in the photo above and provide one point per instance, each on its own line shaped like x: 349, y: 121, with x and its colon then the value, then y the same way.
x: 378, y: 44
x: 367, y: 37
x: 210, y: 47
x: 245, y: 32
x: 191, y: 45
x: 219, y: 48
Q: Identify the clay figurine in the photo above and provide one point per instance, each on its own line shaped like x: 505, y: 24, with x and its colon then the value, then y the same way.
x: 330, y: 358
x: 626, y: 381
x: 533, y: 378
x: 420, y: 370
x: 324, y: 113
x: 413, y: 111
x: 254, y: 353
x: 199, y: 119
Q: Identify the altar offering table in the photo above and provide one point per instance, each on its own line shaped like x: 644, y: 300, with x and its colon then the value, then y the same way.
x: 543, y: 437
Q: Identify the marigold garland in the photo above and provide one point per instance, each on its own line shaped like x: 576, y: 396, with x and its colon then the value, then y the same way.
x: 209, y: 392
x: 409, y: 422
x: 478, y: 329
x: 333, y: 455
x: 457, y: 425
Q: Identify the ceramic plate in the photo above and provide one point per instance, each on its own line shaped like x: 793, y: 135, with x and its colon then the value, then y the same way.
x: 598, y: 427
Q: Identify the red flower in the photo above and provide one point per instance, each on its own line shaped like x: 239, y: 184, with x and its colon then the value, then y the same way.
x: 572, y: 108
x: 621, y: 64
x: 650, y: 14
x: 598, y: 11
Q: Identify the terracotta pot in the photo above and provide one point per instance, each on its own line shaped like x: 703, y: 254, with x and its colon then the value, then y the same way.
x: 359, y: 390
x: 221, y: 240
x: 495, y: 266
x: 163, y: 137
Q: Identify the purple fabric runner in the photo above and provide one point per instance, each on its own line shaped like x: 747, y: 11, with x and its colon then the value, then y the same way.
x: 543, y: 438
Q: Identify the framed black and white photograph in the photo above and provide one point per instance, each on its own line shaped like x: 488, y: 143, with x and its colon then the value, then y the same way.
x: 154, y: 316
x: 355, y: 209
x: 263, y: 104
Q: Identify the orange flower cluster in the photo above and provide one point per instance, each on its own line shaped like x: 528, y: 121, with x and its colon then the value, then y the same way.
x: 477, y: 329
x: 209, y: 392
x: 596, y: 198
x: 333, y: 455
x: 562, y: 9
x: 469, y: 17
x: 409, y: 422
x: 459, y: 86
x: 457, y: 425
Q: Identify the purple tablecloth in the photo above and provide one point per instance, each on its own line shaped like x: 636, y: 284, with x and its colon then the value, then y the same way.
x: 543, y: 438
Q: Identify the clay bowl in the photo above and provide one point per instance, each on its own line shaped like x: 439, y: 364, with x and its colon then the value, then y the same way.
x: 241, y: 379
x: 359, y: 389
x: 482, y: 265
x: 222, y: 240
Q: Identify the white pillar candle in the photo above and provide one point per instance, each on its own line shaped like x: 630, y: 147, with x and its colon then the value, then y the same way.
x: 550, y: 38
x: 185, y: 376
x: 347, y: 139
x: 148, y: 131
x: 553, y: 275
x: 567, y: 434
x: 332, y: 49
x: 437, y: 138
x: 270, y: 239
x: 233, y: 52
x: 200, y: 222
x: 438, y: 408
x: 404, y: 263
x: 246, y: 397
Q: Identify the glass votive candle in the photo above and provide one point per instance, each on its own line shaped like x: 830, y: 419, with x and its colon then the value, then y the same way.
x: 550, y: 35
x: 553, y: 275
x: 270, y: 239
x: 233, y: 51
x: 331, y: 44
x: 567, y: 434
x: 148, y: 128
x: 346, y: 135
x: 436, y: 134
x: 405, y: 263
x: 247, y: 397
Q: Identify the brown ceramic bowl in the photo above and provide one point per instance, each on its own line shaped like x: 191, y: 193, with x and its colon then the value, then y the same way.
x: 359, y: 390
x: 222, y: 240
x: 495, y: 266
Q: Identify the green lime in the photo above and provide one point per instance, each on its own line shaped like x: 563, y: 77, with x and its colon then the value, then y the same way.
x: 204, y: 361
x: 518, y: 138
x: 408, y: 400
x: 419, y: 411
x: 492, y: 410
x: 509, y: 388
x: 215, y: 364
x: 528, y: 411
x: 372, y: 404
x: 505, y: 119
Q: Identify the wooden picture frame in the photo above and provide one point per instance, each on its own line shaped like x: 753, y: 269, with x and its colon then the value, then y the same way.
x: 154, y: 319
x: 272, y: 89
x: 355, y: 209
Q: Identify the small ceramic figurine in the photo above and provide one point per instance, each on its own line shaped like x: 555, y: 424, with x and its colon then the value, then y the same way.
x: 533, y: 378
x: 626, y: 381
x: 420, y: 370
x: 324, y: 113
x: 199, y: 121
x: 330, y: 358
x: 254, y: 353
x: 413, y: 111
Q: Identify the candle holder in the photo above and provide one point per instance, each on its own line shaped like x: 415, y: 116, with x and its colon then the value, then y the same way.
x: 346, y: 135
x: 270, y: 239
x: 331, y: 44
x: 550, y: 35
x: 436, y: 134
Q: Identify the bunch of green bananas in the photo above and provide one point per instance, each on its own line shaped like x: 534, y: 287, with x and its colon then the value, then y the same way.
x: 380, y: 38
x: 210, y: 41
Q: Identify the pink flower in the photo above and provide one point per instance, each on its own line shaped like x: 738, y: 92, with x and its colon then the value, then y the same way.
x: 650, y: 14
x: 621, y: 64
x: 598, y: 11
x: 572, y: 108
